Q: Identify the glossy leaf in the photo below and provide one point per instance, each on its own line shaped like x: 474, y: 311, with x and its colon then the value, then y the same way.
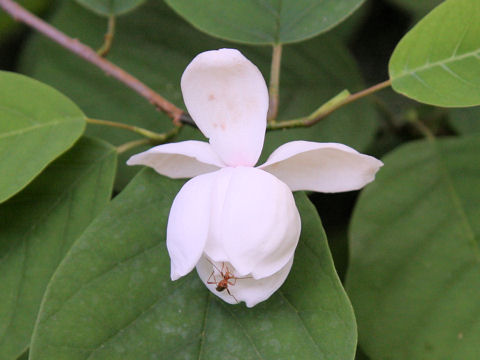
x: 38, y: 226
x: 110, y: 7
x: 264, y: 22
x: 310, y: 76
x: 35, y: 128
x: 465, y: 121
x: 438, y: 61
x: 112, y: 297
x: 415, y: 258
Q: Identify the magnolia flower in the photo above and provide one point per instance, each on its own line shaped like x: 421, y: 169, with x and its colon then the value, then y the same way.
x: 238, y: 224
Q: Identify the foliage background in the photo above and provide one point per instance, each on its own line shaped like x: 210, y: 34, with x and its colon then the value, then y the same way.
x: 353, y: 55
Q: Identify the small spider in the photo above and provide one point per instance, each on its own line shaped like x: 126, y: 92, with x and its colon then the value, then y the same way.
x: 227, y: 279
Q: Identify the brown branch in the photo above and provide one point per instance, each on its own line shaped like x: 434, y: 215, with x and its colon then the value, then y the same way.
x: 87, y: 53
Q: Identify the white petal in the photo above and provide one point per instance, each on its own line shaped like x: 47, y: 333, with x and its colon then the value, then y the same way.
x: 249, y: 290
x: 256, y: 225
x: 324, y: 167
x: 227, y: 97
x: 188, y: 224
x: 179, y: 160
x: 214, y: 246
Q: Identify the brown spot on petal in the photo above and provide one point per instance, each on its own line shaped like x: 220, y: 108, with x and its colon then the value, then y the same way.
x: 211, y: 97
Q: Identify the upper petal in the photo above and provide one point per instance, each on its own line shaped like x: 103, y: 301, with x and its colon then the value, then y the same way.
x: 256, y: 226
x: 247, y: 289
x: 323, y: 167
x: 179, y: 160
x: 227, y: 97
x: 188, y: 224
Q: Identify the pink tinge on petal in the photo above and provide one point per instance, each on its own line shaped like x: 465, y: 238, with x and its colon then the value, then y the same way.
x: 180, y: 160
x: 323, y: 167
x: 239, y: 288
x: 227, y: 98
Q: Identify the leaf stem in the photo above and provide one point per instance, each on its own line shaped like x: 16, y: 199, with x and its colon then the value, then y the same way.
x: 160, y: 139
x: 138, y: 130
x: 413, y: 118
x: 21, y: 14
x: 274, y: 87
x: 338, y: 101
x: 108, y: 38
x: 131, y: 144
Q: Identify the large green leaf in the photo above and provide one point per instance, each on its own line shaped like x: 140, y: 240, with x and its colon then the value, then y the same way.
x: 312, y: 72
x: 38, y: 226
x: 37, y: 124
x: 110, y: 7
x: 414, y: 276
x: 465, y: 120
x: 112, y: 298
x: 438, y: 61
x: 264, y: 21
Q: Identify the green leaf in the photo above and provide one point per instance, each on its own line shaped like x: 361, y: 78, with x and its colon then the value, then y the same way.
x: 438, y: 61
x: 112, y: 298
x: 312, y: 72
x: 37, y: 124
x: 465, y: 121
x: 38, y: 226
x: 264, y: 22
x: 110, y: 7
x: 415, y: 259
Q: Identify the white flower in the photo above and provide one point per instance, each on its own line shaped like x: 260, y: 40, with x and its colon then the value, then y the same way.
x: 238, y: 224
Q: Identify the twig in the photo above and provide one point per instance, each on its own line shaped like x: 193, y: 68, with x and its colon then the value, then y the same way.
x: 87, y: 53
x: 326, y: 109
x: 108, y: 38
x: 131, y: 144
x: 160, y: 139
x: 138, y: 130
x: 274, y: 87
x: 413, y: 118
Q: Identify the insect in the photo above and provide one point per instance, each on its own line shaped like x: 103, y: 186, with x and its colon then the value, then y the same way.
x: 227, y: 279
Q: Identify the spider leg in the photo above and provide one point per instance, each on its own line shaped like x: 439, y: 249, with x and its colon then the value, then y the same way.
x: 229, y: 293
x: 214, y: 279
x: 219, y: 271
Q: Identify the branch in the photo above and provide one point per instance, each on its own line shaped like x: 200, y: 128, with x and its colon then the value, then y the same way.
x: 329, y: 107
x: 108, y: 38
x: 274, y: 82
x: 87, y: 53
x: 138, y: 130
x: 160, y: 139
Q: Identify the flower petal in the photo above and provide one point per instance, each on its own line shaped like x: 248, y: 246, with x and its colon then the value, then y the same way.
x: 214, y: 246
x: 188, y: 224
x: 248, y: 289
x: 227, y: 97
x: 257, y: 223
x: 324, y: 167
x: 179, y: 160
